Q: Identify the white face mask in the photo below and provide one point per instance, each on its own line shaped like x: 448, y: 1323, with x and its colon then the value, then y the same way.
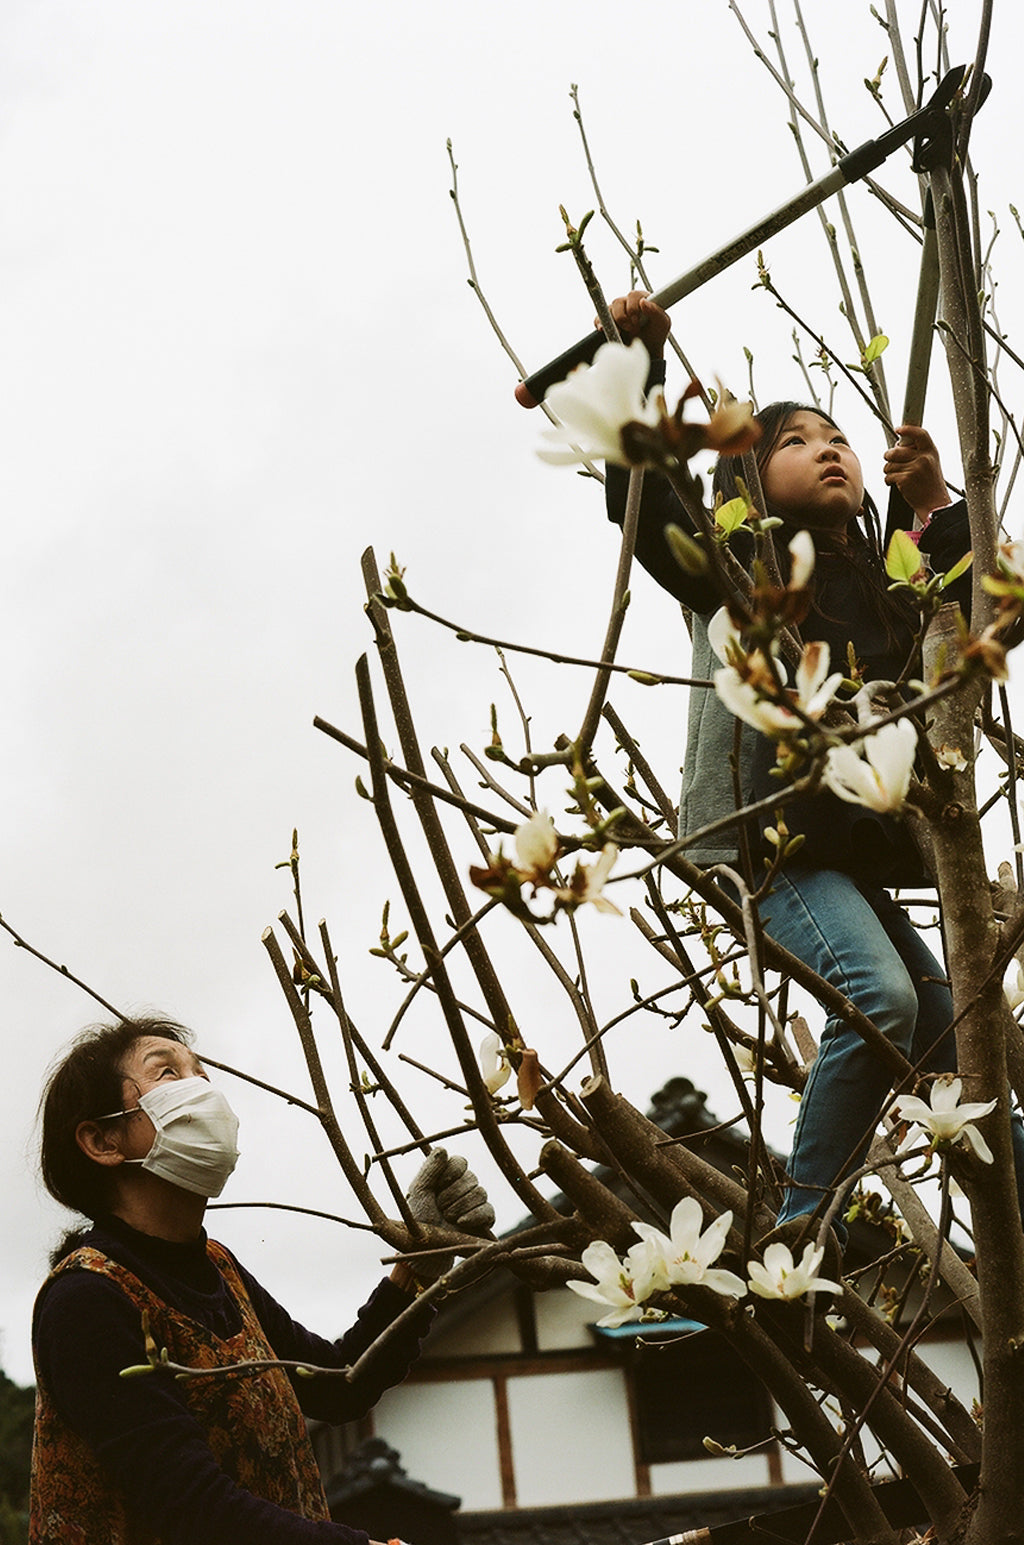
x: 195, y: 1144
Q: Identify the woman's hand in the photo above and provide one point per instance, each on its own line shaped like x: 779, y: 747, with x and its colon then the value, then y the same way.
x: 637, y: 316
x: 912, y: 466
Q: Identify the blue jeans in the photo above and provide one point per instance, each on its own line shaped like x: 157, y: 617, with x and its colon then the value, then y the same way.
x: 857, y: 938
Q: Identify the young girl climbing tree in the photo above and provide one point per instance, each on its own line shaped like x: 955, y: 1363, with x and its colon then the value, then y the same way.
x: 829, y: 903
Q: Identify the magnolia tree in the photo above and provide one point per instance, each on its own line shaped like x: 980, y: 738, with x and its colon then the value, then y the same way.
x: 675, y: 1236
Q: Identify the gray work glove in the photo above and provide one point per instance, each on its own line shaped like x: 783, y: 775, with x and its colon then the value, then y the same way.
x: 445, y: 1191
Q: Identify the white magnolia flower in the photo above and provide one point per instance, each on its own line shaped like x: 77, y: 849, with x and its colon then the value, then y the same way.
x: 594, y: 876
x: 745, y: 1061
x: 815, y: 688
x: 744, y: 697
x: 951, y: 756
x: 684, y: 1256
x: 494, y: 1064
x: 779, y: 1277
x: 748, y: 703
x: 536, y: 843
x: 643, y: 1262
x: 1011, y: 559
x: 596, y: 402
x: 801, y: 551
x: 587, y: 883
x: 1013, y: 985
x: 881, y: 777
x: 945, y: 1120
x: 615, y: 1283
x: 723, y: 635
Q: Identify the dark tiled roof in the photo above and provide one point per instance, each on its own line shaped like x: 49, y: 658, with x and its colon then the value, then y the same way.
x: 375, y: 1467
x: 624, y: 1523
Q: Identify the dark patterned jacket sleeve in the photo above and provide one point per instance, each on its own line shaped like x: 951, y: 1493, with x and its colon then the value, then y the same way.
x: 338, y: 1400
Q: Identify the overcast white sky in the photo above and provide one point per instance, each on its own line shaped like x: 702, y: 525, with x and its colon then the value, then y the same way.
x: 237, y: 347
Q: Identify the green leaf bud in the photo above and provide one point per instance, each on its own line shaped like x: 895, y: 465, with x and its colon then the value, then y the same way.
x: 689, y: 555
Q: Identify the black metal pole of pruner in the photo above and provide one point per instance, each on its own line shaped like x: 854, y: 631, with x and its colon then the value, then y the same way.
x: 932, y: 149
x: 899, y: 1501
x: 849, y: 168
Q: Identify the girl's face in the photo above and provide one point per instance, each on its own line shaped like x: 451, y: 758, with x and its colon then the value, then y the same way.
x: 812, y: 476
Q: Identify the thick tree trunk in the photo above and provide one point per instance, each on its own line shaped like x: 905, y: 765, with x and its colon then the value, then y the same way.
x: 984, y: 1023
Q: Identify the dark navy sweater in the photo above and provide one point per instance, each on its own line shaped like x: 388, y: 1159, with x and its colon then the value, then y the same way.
x: 85, y: 1331
x: 870, y: 846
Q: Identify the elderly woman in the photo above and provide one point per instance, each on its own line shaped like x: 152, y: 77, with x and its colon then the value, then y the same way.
x: 136, y: 1138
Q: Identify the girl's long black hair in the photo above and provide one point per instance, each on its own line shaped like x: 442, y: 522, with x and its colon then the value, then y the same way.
x: 862, y: 553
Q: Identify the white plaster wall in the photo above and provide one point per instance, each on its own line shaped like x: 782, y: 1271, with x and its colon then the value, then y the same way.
x: 794, y: 1471
x: 712, y: 1475
x: 446, y: 1435
x: 952, y: 1362
x: 570, y: 1438
x: 494, y: 1330
x: 564, y: 1320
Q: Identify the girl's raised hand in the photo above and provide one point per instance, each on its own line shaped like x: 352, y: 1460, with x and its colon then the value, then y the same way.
x: 912, y: 466
x: 637, y: 316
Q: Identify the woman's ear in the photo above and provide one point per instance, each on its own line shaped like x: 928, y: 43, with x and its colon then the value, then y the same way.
x: 99, y: 1142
